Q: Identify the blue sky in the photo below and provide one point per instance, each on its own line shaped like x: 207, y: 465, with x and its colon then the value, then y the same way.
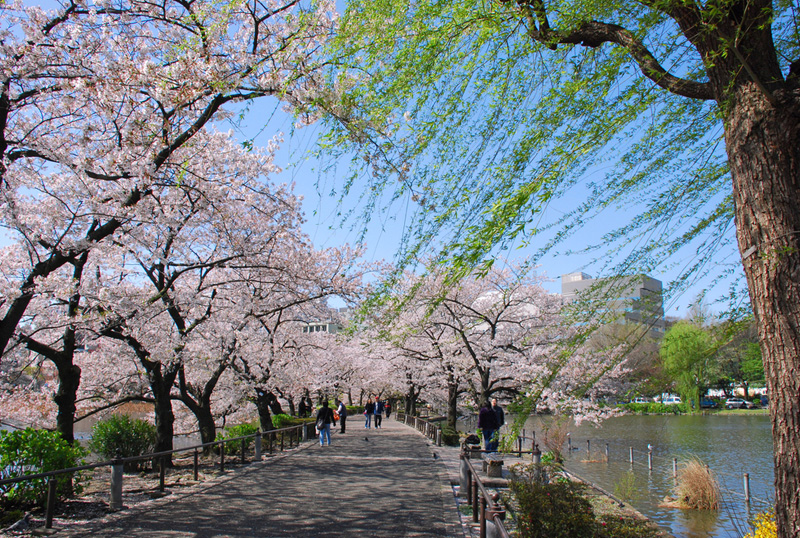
x: 383, y: 236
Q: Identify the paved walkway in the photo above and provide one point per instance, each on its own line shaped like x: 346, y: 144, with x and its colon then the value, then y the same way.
x: 369, y: 483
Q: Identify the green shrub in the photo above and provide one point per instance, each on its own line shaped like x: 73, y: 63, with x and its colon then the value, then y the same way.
x: 353, y: 410
x: 32, y: 451
x: 655, y: 408
x: 123, y: 436
x: 284, y: 421
x: 609, y: 526
x: 555, y: 510
x: 450, y: 437
x: 240, y: 430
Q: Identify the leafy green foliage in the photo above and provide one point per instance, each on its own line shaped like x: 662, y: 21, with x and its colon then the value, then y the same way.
x: 241, y: 430
x: 123, y: 436
x: 450, y: 437
x: 624, y: 527
x: 687, y: 351
x: 552, y: 510
x: 30, y: 451
x: 655, y: 408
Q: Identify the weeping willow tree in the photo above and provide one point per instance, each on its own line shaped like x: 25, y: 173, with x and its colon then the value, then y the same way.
x: 477, y: 116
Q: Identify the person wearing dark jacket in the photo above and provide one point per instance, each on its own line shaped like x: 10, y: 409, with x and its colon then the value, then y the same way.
x: 342, y: 410
x: 369, y: 410
x: 501, y: 419
x: 324, y: 419
x: 487, y: 422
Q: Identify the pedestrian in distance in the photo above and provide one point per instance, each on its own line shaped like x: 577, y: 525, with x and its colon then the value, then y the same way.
x: 501, y: 419
x: 324, y: 419
x: 369, y: 410
x: 342, y: 410
x: 378, y: 412
x: 487, y: 422
x: 388, y: 408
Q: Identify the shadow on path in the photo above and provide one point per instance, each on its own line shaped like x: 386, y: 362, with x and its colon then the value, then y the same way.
x: 369, y: 483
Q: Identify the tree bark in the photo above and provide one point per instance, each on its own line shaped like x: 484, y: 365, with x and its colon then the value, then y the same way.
x: 763, y: 144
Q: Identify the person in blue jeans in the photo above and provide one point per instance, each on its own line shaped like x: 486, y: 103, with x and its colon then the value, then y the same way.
x: 378, y: 412
x: 369, y: 410
x: 324, y: 419
x: 487, y: 422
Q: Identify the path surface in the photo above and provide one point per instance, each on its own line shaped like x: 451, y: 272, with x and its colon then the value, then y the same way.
x: 369, y: 483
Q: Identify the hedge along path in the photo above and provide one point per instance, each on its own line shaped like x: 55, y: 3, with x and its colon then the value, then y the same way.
x: 372, y: 483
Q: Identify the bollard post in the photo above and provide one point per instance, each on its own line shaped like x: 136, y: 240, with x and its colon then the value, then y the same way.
x: 649, y: 457
x: 588, y: 448
x: 607, y: 458
x: 492, y: 514
x: 463, y: 477
x: 258, y: 446
x: 51, y: 503
x: 221, y: 457
x: 438, y: 437
x: 536, y: 456
x: 244, y: 447
x: 569, y: 442
x: 305, y: 433
x: 196, y: 465
x: 474, y: 494
x: 631, y: 450
x: 283, y: 434
x: 675, y: 468
x: 162, y: 472
x: 746, y: 479
x: 116, y: 485
x: 482, y: 518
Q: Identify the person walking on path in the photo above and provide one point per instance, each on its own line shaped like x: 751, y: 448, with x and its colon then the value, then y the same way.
x: 388, y: 408
x: 324, y: 419
x: 378, y: 412
x: 369, y: 410
x: 487, y: 422
x: 342, y: 410
x: 501, y: 419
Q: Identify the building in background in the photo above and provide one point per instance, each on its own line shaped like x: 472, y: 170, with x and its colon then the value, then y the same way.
x: 625, y: 299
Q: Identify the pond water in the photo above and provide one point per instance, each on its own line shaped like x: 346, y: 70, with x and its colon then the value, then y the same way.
x: 729, y: 444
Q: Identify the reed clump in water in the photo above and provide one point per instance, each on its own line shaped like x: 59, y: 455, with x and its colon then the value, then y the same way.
x: 697, y: 488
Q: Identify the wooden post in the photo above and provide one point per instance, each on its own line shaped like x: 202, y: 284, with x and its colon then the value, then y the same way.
x: 162, y: 473
x: 116, y: 485
x: 746, y: 479
x: 649, y: 457
x: 607, y: 458
x: 51, y: 503
x: 258, y: 446
x: 675, y: 468
x: 222, y: 457
x: 244, y: 447
x: 196, y: 465
x: 631, y: 450
x: 474, y: 487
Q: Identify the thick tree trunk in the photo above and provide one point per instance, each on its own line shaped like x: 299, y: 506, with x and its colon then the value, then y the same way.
x: 452, y: 404
x: 69, y: 379
x: 763, y: 144
x: 161, y: 386
x: 263, y: 399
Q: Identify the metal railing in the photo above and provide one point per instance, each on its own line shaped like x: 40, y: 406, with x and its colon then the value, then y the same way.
x: 275, y: 439
x: 427, y: 428
x: 486, y: 510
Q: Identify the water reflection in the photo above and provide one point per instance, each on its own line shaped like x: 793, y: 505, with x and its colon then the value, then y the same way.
x: 730, y: 445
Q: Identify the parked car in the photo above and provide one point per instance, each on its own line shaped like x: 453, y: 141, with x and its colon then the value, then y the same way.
x: 738, y: 403
x: 672, y: 400
x: 641, y: 400
x: 705, y: 403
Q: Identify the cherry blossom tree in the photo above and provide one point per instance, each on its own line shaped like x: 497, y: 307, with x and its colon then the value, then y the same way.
x: 97, y: 100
